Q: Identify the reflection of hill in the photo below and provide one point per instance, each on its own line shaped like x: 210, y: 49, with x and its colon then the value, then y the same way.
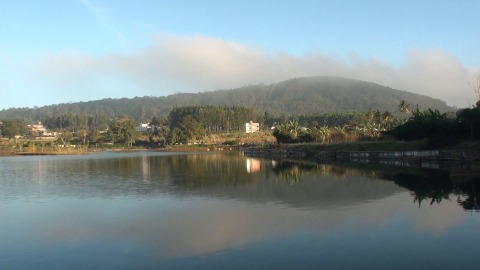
x: 171, y: 207
x: 219, y: 176
x: 205, y: 175
x: 227, y: 177
x: 311, y: 185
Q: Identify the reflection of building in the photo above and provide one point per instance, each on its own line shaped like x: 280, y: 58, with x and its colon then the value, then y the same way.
x: 252, y: 127
x: 145, y: 168
x: 253, y: 165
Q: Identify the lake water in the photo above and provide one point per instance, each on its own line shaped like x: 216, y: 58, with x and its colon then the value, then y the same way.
x: 150, y: 210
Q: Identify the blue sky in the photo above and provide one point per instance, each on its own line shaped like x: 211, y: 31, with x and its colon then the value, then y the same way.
x: 78, y: 50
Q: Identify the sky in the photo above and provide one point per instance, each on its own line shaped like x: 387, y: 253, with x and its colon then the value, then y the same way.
x: 61, y: 51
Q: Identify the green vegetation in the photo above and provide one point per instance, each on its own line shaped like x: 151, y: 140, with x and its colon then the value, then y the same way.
x: 224, y: 125
x: 319, y: 110
x: 123, y: 130
x: 437, y: 129
x: 193, y: 123
x: 334, y: 128
x: 440, y: 129
x: 12, y: 127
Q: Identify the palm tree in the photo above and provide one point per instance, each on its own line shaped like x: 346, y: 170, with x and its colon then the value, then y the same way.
x: 325, y: 131
x: 404, y: 107
x: 293, y: 127
x: 387, y: 120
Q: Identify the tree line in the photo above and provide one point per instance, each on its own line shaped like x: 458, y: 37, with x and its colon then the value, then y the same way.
x: 336, y: 127
x: 440, y: 129
x: 193, y: 123
x: 181, y: 125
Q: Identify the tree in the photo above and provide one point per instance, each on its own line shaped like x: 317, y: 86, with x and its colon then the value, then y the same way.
x: 176, y: 136
x: 294, y: 127
x: 93, y: 136
x: 82, y: 134
x: 13, y: 127
x: 123, y: 129
x: 191, y: 128
x: 159, y: 121
x: 162, y: 134
x: 475, y: 85
x: 196, y: 121
x: 404, y: 107
x: 282, y: 134
x: 65, y: 137
x: 288, y: 132
x: 429, y: 124
x: 387, y: 120
x: 471, y: 117
x: 319, y: 134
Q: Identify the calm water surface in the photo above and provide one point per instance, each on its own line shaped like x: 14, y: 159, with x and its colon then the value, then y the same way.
x: 226, y: 211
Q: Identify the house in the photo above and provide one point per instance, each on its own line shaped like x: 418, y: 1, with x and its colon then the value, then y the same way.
x: 37, y: 128
x: 40, y: 132
x: 252, y: 127
x: 143, y: 127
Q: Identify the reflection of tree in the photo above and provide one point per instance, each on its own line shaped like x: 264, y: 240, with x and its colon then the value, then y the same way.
x: 436, y: 185
x: 471, y: 195
x: 292, y: 175
x: 205, y: 170
x: 208, y: 171
x: 433, y: 186
x: 291, y: 171
x: 435, y: 196
x: 215, y: 174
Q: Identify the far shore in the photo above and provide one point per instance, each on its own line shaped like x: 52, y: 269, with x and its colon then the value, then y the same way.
x: 308, y: 150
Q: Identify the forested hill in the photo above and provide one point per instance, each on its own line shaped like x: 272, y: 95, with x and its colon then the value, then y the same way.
x: 312, y: 95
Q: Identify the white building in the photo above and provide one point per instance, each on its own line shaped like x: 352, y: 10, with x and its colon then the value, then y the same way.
x: 37, y: 128
x: 143, y: 127
x: 252, y: 127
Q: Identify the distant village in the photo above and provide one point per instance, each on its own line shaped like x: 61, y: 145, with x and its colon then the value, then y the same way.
x: 40, y: 132
x: 190, y: 125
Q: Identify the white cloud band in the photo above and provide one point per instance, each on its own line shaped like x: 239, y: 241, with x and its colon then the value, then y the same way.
x: 199, y: 63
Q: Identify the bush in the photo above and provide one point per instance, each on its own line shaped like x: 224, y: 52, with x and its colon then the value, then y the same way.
x: 440, y: 130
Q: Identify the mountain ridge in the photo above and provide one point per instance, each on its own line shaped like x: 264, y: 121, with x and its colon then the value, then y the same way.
x: 297, y: 96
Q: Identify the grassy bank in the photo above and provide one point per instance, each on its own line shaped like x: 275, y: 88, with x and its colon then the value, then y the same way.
x: 234, y: 141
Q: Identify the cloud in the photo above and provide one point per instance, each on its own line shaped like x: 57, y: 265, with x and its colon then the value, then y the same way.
x: 206, y: 227
x: 199, y: 63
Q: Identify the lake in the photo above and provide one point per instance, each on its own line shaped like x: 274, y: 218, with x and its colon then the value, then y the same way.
x: 154, y: 210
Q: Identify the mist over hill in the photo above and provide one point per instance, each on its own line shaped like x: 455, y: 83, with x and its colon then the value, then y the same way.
x: 311, y: 95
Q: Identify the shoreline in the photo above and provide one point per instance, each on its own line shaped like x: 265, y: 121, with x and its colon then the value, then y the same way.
x: 393, y: 150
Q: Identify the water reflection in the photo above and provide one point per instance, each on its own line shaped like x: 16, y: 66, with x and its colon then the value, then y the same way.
x: 220, y: 176
x: 435, y: 186
x: 253, y: 165
x: 426, y: 185
x: 178, y: 206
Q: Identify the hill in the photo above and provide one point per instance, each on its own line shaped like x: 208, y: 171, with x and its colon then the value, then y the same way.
x: 311, y: 95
